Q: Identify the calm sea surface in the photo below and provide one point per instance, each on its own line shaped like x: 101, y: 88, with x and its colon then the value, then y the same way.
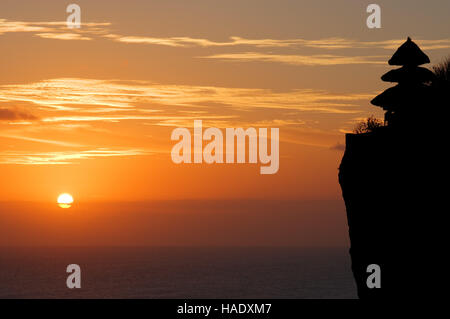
x: 177, y: 273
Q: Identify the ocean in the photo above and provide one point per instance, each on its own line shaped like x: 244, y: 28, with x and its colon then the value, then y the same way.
x: 178, y: 272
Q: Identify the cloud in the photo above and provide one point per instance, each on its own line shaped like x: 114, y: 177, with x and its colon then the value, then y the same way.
x: 38, y: 140
x: 394, y: 44
x: 56, y: 30
x: 20, y: 26
x: 63, y: 36
x: 77, y: 99
x: 73, y: 103
x: 343, y: 43
x: 148, y: 40
x: 64, y: 158
x: 15, y: 115
x: 308, y: 60
x: 338, y: 147
x: 191, y: 42
x: 71, y: 94
x: 326, y: 43
x: 164, y: 119
x: 235, y: 122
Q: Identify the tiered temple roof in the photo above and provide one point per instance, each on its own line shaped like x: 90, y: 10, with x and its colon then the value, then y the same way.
x: 411, y: 79
x: 409, y: 54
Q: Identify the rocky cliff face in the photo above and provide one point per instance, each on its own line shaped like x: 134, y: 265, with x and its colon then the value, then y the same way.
x: 393, y: 181
x: 388, y: 181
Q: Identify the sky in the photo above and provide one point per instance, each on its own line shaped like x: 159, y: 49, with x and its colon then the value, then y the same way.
x: 90, y: 111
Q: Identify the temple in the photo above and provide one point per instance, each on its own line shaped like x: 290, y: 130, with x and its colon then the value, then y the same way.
x: 402, y: 102
x: 392, y: 183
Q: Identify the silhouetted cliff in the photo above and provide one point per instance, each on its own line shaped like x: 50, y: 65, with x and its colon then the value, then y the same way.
x: 386, y: 180
x: 393, y: 182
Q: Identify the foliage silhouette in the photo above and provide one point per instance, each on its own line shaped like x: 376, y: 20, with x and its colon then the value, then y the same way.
x: 442, y: 71
x: 368, y: 126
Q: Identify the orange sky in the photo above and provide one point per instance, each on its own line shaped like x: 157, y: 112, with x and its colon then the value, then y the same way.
x: 90, y: 111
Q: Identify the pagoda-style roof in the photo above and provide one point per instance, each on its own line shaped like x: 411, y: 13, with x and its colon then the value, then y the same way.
x: 409, y: 54
x: 409, y: 74
x: 400, y: 95
x: 390, y: 97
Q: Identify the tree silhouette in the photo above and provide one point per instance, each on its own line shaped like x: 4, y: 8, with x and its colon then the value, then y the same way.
x: 368, y: 126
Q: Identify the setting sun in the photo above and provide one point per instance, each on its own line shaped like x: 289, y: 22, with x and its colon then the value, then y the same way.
x: 65, y: 200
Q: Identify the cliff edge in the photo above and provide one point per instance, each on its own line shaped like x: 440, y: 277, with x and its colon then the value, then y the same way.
x: 390, y: 197
x: 393, y: 181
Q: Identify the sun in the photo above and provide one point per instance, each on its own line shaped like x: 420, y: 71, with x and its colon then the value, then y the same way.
x: 65, y: 200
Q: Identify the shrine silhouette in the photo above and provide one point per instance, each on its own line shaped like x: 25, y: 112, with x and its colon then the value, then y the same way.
x: 392, y: 179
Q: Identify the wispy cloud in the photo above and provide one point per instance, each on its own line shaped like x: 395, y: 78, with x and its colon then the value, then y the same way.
x: 309, y: 60
x: 63, y: 36
x: 190, y: 42
x: 56, y: 30
x: 71, y: 104
x: 39, y: 140
x: 71, y: 94
x: 64, y: 158
x: 21, y: 26
x: 118, y: 118
x: 232, y: 122
x: 326, y: 43
x: 79, y: 98
x: 11, y: 114
x: 344, y: 43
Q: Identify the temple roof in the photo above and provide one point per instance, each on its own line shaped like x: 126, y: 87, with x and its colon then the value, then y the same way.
x: 388, y: 97
x: 409, y: 54
x: 400, y: 95
x: 409, y: 74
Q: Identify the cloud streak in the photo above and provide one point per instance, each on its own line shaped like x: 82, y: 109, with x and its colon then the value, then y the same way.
x: 38, y: 140
x: 80, y: 99
x: 64, y: 158
x: 326, y: 43
x: 307, y: 60
x: 130, y: 117
x: 58, y: 30
x: 63, y: 36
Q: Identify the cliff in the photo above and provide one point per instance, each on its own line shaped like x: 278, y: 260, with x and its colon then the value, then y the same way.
x: 388, y: 180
